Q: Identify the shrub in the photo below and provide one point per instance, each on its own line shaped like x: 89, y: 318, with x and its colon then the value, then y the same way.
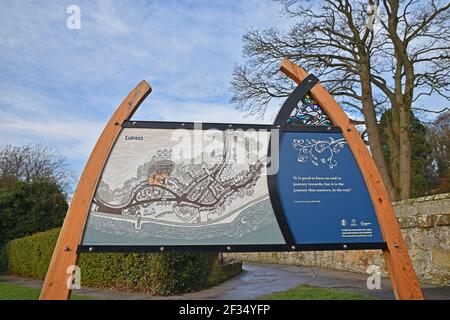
x: 3, y: 260
x: 29, y: 207
x: 157, y: 274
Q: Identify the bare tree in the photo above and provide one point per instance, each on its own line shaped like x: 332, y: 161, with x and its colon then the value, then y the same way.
x: 35, y: 162
x: 416, y: 47
x: 333, y: 41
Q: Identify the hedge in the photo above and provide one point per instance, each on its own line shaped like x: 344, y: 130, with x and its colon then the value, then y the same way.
x: 156, y: 274
x: 3, y: 260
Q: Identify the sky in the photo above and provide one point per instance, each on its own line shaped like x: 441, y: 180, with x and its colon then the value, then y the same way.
x: 60, y: 86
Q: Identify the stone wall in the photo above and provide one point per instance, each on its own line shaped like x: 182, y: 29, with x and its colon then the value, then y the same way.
x: 425, y: 224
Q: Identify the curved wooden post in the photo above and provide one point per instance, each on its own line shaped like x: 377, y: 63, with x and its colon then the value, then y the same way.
x: 401, y: 271
x: 65, y: 254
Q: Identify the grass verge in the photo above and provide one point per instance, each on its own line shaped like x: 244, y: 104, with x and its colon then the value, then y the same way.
x: 306, y: 292
x: 18, y: 292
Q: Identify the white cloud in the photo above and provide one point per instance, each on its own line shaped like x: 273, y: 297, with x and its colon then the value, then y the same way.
x: 190, y: 112
x: 73, y: 137
x: 106, y: 19
x: 59, y: 86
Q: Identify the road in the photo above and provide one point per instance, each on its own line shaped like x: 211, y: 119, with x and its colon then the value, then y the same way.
x: 262, y: 279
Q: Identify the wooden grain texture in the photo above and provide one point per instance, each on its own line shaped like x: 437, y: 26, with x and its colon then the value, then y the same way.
x: 65, y: 253
x: 401, y: 271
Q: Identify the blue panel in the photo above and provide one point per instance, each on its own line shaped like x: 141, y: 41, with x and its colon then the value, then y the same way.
x: 322, y: 191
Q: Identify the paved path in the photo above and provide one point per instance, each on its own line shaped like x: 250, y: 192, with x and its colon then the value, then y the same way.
x: 261, y: 279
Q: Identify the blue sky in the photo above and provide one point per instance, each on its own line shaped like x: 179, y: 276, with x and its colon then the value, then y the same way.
x: 60, y: 86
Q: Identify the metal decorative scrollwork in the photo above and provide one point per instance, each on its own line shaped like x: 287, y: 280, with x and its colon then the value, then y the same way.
x: 309, y: 113
x: 319, y: 151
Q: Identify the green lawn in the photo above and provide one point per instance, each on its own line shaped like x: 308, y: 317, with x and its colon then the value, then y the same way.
x: 18, y: 292
x: 306, y: 292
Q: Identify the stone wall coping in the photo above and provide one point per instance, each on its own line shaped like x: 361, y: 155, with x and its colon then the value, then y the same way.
x: 442, y: 196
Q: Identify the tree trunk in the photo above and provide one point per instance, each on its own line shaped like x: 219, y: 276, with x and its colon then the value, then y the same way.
x: 391, y: 131
x: 405, y: 153
x: 372, y: 126
x: 404, y: 78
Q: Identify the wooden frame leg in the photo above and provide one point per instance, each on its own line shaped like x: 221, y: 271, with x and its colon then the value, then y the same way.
x: 399, y: 265
x: 65, y: 254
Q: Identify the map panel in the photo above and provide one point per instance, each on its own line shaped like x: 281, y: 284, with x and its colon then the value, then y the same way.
x: 184, y: 187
